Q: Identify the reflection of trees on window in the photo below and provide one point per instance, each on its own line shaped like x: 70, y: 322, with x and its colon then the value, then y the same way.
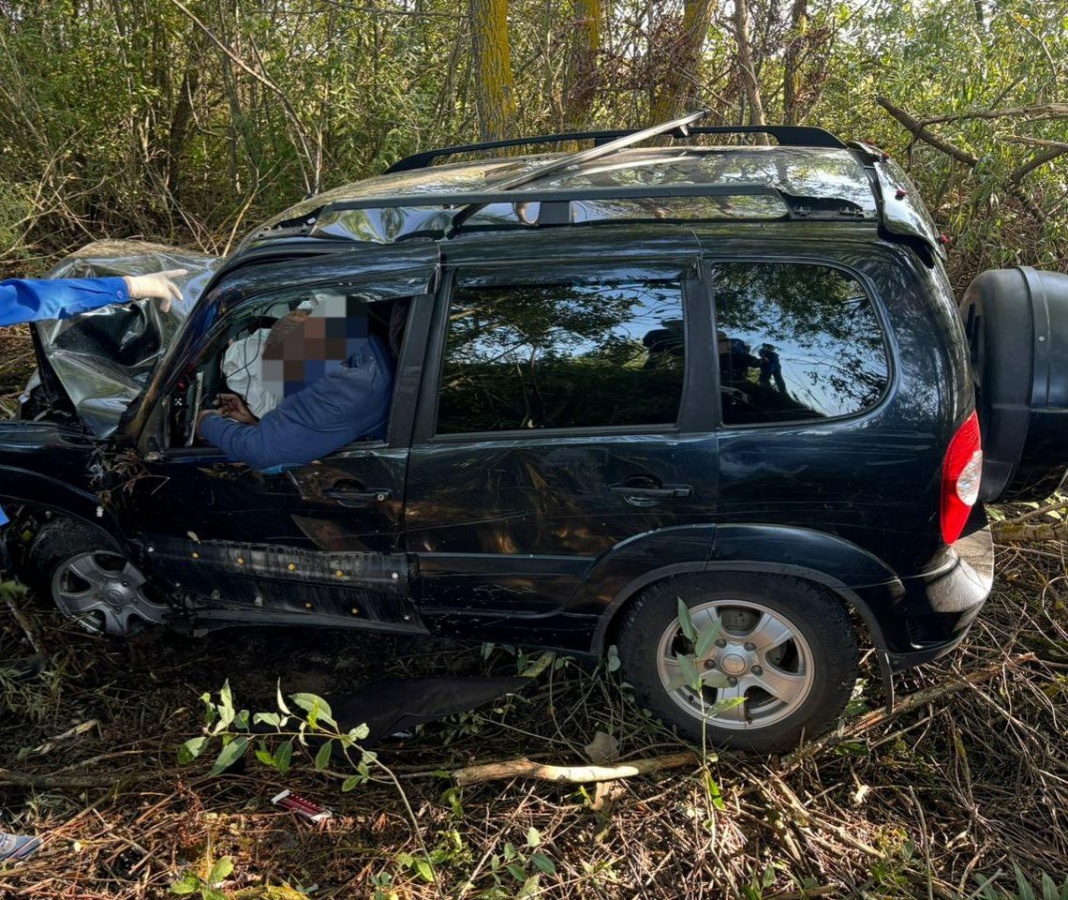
x: 584, y: 353
x: 819, y: 325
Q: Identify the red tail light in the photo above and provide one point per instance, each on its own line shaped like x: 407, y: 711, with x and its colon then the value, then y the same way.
x: 961, y: 473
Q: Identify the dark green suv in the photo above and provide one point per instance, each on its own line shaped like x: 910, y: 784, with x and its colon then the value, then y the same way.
x: 714, y: 406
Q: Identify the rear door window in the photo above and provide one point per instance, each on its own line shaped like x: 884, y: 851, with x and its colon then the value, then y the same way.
x: 795, y: 342
x: 567, y: 350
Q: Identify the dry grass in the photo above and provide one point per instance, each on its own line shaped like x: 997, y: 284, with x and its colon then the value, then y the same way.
x: 928, y: 804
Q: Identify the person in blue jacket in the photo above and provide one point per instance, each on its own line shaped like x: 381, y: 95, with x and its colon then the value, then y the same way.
x: 328, y: 401
x: 31, y: 300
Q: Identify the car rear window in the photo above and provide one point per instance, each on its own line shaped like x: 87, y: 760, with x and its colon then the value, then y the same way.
x: 795, y: 342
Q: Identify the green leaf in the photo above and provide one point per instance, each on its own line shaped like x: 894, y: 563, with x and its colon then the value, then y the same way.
x: 1023, y: 889
x: 689, y: 671
x: 230, y: 754
x: 265, y: 757
x: 423, y: 867
x: 360, y: 732
x: 226, y: 697
x: 707, y: 638
x: 1049, y: 888
x: 316, y: 708
x: 529, y: 889
x: 212, y: 894
x: 221, y: 870
x: 322, y: 758
x: 517, y: 872
x: 533, y: 837
x: 716, y: 680
x: 715, y: 794
x: 191, y: 749
x: 265, y: 718
x: 685, y: 622
x: 543, y: 864
x: 187, y: 884
x: 283, y: 756
x: 724, y: 705
x: 350, y: 783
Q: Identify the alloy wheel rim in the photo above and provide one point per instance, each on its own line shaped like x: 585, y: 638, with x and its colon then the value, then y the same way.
x: 104, y: 592
x: 757, y: 673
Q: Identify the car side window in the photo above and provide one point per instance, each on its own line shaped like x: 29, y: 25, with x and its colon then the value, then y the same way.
x: 795, y: 342
x: 572, y: 350
x: 283, y: 343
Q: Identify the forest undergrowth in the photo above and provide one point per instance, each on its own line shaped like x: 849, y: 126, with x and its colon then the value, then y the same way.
x: 962, y: 794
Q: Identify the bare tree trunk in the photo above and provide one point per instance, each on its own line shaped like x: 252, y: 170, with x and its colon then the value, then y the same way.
x: 494, y: 85
x: 791, y: 86
x: 745, y: 63
x: 580, y: 77
x: 678, y: 86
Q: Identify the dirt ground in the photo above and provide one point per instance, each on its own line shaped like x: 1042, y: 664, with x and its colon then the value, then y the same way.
x: 968, y: 783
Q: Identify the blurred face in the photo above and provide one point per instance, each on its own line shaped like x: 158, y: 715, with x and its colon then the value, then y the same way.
x: 304, y: 347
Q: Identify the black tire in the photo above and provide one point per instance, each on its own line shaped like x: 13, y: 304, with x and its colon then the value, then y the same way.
x: 86, y: 574
x: 788, y: 644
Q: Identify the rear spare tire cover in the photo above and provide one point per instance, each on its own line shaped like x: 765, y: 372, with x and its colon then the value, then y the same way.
x: 1017, y: 326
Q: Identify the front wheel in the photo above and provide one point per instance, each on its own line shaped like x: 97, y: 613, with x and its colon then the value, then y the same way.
x: 768, y: 659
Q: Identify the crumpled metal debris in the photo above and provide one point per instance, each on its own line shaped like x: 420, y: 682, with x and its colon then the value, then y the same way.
x: 103, y: 358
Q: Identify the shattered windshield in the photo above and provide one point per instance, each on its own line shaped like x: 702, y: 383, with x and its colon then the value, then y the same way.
x: 102, y: 359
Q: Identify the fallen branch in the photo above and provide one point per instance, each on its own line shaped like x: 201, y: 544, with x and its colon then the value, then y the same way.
x: 904, y: 705
x: 920, y: 131
x: 1011, y: 533
x: 11, y: 778
x: 925, y: 134
x: 525, y: 768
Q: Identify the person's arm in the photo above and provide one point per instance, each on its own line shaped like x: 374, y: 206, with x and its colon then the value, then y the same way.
x: 335, y: 410
x: 30, y: 300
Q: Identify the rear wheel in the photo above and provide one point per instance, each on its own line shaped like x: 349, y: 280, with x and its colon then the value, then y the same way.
x: 776, y: 658
x: 91, y: 580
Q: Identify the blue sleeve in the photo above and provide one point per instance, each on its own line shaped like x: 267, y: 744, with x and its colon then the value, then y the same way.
x: 344, y: 406
x: 26, y: 300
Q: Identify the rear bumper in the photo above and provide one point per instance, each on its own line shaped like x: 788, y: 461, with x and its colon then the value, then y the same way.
x: 941, y: 604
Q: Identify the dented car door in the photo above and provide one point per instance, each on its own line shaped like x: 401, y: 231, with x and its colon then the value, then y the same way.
x: 319, y: 543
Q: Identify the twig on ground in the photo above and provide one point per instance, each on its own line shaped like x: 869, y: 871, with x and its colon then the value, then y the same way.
x: 904, y: 705
x: 525, y: 768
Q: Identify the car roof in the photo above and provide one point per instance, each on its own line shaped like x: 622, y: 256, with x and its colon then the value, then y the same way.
x: 795, y: 181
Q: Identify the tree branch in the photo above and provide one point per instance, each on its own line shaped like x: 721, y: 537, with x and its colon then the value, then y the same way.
x: 1049, y: 110
x: 922, y: 132
x: 904, y: 705
x: 1013, y: 533
x: 525, y: 768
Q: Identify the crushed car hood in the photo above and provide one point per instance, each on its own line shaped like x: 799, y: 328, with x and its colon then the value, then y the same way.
x: 101, y: 360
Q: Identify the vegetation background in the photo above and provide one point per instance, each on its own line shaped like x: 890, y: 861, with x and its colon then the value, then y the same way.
x: 188, y: 121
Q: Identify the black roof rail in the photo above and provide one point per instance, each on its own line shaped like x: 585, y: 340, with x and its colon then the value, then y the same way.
x: 786, y: 135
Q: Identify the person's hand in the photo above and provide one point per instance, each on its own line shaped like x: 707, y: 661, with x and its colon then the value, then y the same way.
x: 233, y: 407
x: 157, y: 285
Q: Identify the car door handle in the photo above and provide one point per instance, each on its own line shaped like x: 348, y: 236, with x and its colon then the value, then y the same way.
x: 664, y: 492
x: 349, y: 497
